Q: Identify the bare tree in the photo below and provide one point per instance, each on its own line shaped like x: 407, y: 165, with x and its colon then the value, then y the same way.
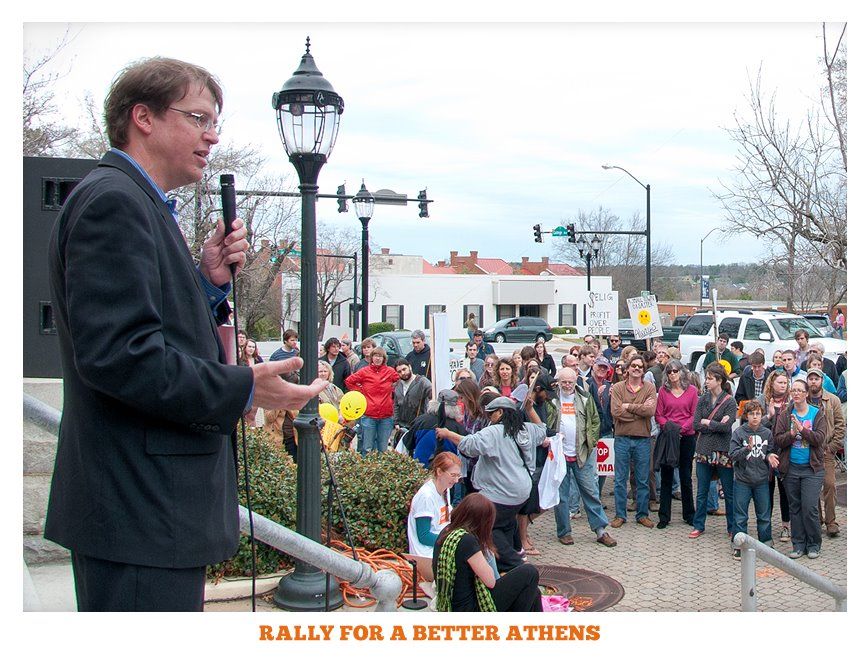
x: 621, y: 257
x: 43, y: 132
x: 791, y: 180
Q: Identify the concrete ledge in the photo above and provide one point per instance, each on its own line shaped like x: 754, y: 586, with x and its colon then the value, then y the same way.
x: 228, y: 590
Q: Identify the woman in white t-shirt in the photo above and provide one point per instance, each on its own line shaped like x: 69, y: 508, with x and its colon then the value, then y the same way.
x: 431, y: 507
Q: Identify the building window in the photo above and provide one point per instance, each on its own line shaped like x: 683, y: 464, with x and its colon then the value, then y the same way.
x: 394, y: 313
x: 505, y: 311
x: 476, y: 309
x: 567, y: 315
x: 432, y: 308
x: 335, y: 317
x: 46, y: 319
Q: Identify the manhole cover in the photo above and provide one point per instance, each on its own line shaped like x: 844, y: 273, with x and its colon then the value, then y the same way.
x: 587, y: 590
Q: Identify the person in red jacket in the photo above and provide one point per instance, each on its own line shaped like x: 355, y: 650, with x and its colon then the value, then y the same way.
x: 375, y: 383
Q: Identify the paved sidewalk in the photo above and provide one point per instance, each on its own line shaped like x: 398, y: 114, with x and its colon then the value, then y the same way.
x: 660, y: 570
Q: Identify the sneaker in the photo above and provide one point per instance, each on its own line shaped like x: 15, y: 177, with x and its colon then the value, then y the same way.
x: 832, y: 530
x: 677, y: 495
x: 566, y: 540
x: 795, y: 554
x: 631, y: 506
x: 645, y: 521
x: 654, y: 506
x: 617, y: 522
x: 694, y: 534
x: 606, y: 540
x: 813, y: 553
x: 785, y: 534
x: 736, y: 554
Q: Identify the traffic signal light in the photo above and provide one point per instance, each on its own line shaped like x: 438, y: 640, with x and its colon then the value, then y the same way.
x: 423, y: 203
x: 537, y: 233
x: 571, y: 232
x: 342, y: 203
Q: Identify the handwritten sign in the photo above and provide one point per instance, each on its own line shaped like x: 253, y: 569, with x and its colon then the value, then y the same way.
x: 602, y: 313
x: 645, y: 317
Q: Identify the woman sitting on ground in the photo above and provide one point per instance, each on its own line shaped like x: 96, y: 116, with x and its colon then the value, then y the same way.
x: 466, y: 581
x: 431, y: 507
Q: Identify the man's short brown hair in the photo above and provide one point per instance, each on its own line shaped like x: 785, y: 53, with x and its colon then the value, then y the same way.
x: 156, y: 82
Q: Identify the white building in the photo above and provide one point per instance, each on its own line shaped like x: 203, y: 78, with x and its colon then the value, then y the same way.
x: 404, y: 290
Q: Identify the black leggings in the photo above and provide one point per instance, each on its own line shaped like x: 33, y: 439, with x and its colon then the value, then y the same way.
x: 686, y: 448
x: 505, y: 536
x: 518, y: 591
x: 782, y: 494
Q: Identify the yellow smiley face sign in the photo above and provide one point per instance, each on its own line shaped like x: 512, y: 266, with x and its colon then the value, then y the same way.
x: 644, y: 317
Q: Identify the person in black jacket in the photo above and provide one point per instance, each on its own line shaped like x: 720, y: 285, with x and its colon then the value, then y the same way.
x: 420, y: 356
x: 339, y: 363
x: 144, y: 491
x: 753, y: 379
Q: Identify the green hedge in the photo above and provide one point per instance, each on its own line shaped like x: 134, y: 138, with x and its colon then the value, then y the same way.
x: 379, y: 327
x: 376, y: 492
x: 564, y: 330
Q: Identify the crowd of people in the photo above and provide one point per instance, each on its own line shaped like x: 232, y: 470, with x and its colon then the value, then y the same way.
x: 737, y: 430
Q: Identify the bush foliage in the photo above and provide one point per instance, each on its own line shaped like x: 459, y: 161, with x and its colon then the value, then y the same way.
x: 379, y: 327
x: 376, y: 492
x: 564, y: 330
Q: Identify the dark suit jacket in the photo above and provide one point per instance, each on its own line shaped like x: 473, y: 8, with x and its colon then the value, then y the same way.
x: 145, y: 471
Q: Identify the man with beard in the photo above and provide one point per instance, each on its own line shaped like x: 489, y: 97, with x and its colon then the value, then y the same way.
x: 412, y: 393
x: 836, y: 428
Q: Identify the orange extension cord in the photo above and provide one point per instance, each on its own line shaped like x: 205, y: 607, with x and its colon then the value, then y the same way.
x: 379, y: 559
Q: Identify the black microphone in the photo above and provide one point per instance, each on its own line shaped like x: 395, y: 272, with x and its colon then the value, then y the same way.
x: 227, y: 198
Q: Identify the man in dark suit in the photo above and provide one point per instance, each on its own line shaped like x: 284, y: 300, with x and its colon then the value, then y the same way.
x: 144, y: 486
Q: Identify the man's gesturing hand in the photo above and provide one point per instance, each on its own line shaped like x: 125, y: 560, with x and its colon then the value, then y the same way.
x: 272, y: 392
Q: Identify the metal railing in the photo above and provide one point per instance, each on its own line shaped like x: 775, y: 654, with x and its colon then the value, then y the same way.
x: 385, y: 585
x: 751, y: 547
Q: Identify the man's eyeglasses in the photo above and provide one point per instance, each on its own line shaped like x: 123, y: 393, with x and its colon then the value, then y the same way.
x: 202, y: 121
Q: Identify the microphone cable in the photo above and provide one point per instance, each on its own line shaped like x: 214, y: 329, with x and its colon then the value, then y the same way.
x: 227, y: 198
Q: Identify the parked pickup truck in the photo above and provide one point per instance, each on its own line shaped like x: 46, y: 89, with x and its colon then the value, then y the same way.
x: 670, y: 334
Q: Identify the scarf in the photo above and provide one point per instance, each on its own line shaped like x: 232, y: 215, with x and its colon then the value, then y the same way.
x: 446, y: 577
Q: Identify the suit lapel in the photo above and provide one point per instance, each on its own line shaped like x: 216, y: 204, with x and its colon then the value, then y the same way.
x: 170, y: 225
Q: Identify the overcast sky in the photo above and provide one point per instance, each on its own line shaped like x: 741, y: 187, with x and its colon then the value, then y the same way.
x: 507, y: 125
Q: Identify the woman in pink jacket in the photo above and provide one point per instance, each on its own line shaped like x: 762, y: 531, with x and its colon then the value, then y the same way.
x: 676, y: 403
x: 375, y: 383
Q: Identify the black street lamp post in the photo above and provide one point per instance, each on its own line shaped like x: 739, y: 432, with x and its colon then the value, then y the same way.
x: 587, y: 252
x: 647, y: 223
x: 308, y: 117
x: 363, y: 203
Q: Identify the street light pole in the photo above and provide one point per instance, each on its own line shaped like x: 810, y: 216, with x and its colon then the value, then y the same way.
x: 363, y: 203
x: 308, y: 117
x: 588, y: 251
x: 647, y: 223
x: 700, y: 262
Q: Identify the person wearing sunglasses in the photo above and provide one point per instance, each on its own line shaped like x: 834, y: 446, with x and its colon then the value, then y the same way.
x: 676, y: 405
x: 634, y: 402
x: 613, y: 352
x: 800, y: 435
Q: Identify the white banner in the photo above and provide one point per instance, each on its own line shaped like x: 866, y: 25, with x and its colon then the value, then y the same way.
x: 440, y: 368
x: 602, y: 313
x: 645, y: 317
x: 606, y: 457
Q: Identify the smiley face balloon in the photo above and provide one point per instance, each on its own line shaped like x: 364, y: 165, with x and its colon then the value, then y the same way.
x: 644, y: 317
x: 353, y: 405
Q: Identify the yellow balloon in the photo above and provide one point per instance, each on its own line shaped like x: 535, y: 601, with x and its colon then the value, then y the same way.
x: 353, y: 405
x: 328, y: 411
x: 726, y: 366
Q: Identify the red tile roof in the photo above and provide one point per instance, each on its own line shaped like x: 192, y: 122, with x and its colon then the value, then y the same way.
x: 494, y: 266
x: 428, y: 268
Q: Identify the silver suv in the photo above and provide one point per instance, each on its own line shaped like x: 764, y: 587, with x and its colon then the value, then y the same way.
x: 769, y: 330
